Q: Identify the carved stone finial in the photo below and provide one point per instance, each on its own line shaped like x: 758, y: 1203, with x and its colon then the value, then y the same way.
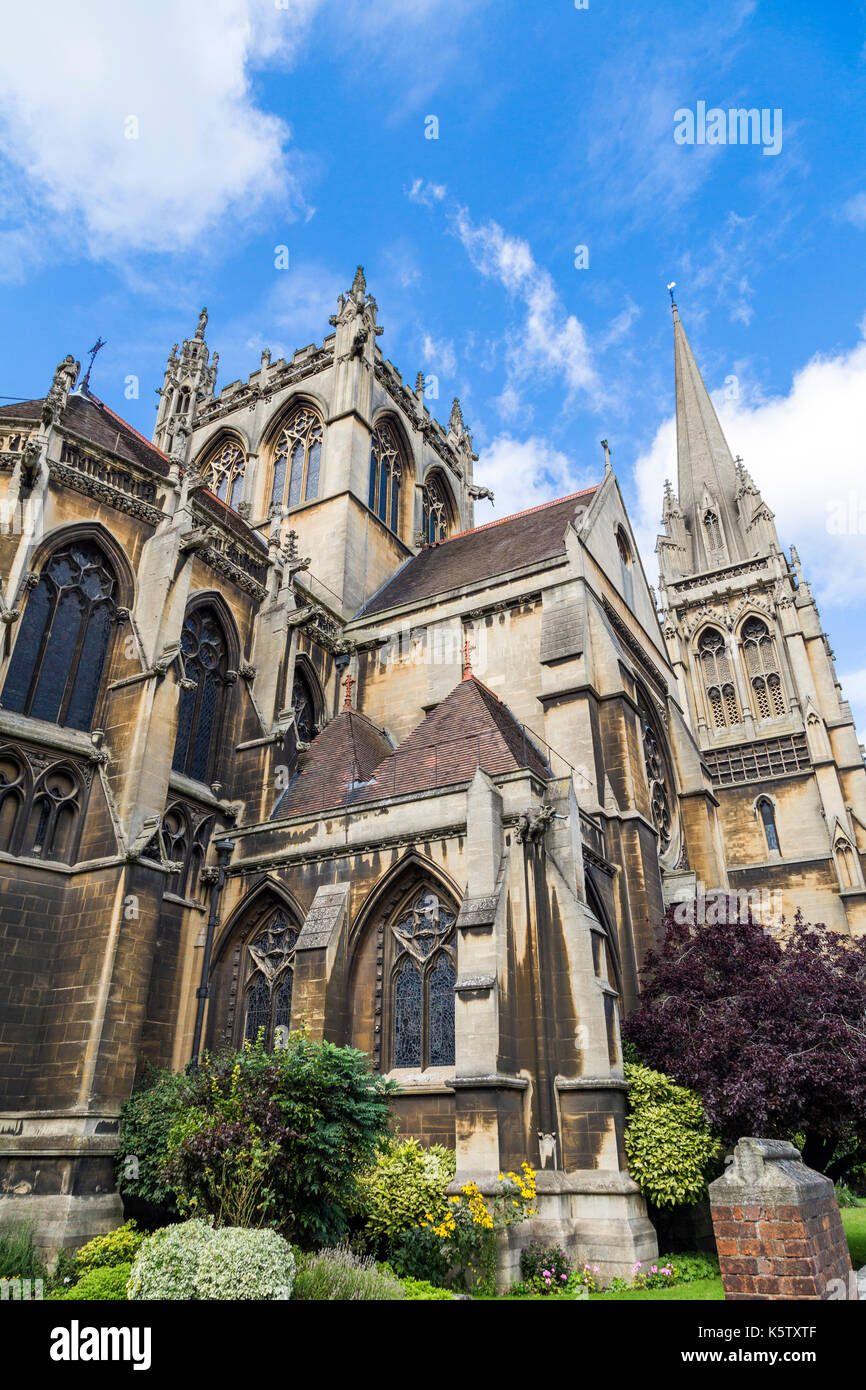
x: 202, y: 325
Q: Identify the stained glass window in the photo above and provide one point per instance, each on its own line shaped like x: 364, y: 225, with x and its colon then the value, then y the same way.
x: 297, y: 458
x: 386, y: 472
x: 407, y: 1016
x: 258, y: 1010
x: 269, y: 997
x: 58, y: 659
x: 224, y: 471
x: 423, y: 982
x: 435, y: 512
x: 200, y: 708
x: 768, y: 816
x: 441, y: 1013
x: 304, y: 706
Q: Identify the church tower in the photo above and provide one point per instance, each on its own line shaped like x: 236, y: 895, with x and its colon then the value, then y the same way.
x: 756, y: 675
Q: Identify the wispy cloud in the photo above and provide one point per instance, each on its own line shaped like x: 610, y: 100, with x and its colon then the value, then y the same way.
x: 524, y: 472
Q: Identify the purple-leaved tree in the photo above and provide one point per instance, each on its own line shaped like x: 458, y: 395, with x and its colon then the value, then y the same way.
x: 770, y: 1030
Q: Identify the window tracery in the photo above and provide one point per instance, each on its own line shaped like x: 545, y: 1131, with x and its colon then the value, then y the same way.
x: 762, y: 668
x: 435, y: 512
x: 271, y: 962
x: 386, y: 475
x: 423, y: 979
x: 722, y: 706
x: 201, y: 707
x: 224, y: 472
x: 297, y: 460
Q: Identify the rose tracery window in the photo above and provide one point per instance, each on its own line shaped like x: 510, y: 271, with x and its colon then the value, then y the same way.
x: 657, y: 778
x: 224, y: 472
x: 386, y: 474
x: 422, y: 985
x: 435, y: 512
x: 200, y: 709
x: 297, y: 460
x: 271, y: 963
x: 58, y: 659
x: 718, y: 680
x: 762, y: 667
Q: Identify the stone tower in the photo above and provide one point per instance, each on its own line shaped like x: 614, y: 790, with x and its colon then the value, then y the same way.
x: 756, y: 676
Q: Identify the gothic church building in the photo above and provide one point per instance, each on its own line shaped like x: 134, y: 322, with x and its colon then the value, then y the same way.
x: 287, y: 740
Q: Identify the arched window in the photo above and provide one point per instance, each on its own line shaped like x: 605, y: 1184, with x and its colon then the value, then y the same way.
x: 623, y: 546
x: 435, y: 512
x: 200, y: 709
x: 713, y: 530
x: 297, y: 460
x: 305, y: 705
x: 423, y: 977
x: 54, y: 813
x: 386, y: 474
x: 762, y: 668
x: 13, y: 791
x: 224, y: 472
x: 768, y: 818
x: 58, y: 659
x: 271, y: 962
x: 722, y: 707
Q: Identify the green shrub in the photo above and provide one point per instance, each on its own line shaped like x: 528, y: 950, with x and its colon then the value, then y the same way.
x: 167, y: 1261
x: 239, y: 1264
x: 668, y: 1141
x: 338, y: 1275
x: 689, y: 1268
x: 278, y: 1137
x: 102, y: 1283
x: 420, y: 1289
x: 116, y: 1248
x: 418, y: 1254
x: 845, y: 1197
x: 406, y: 1186
x: 145, y: 1123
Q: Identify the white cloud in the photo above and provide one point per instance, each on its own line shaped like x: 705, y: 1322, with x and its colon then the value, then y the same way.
x: 854, y: 690
x: 548, y: 341
x: 439, y: 357
x: 426, y: 193
x: 805, y: 451
x: 855, y: 210
x: 523, y: 473
x: 178, y: 77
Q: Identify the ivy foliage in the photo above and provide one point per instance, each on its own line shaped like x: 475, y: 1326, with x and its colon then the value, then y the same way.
x: 668, y: 1140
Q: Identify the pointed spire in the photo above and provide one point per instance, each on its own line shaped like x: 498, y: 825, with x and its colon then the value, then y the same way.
x: 359, y: 284
x: 704, y: 462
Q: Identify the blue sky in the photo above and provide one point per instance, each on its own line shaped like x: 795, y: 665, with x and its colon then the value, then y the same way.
x: 263, y: 123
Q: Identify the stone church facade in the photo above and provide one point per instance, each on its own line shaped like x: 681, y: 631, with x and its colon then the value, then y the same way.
x: 286, y: 740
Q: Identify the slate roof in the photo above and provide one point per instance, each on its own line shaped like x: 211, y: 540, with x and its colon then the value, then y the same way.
x: 91, y: 419
x: 473, y: 556
x: 343, y: 754
x: 471, y: 728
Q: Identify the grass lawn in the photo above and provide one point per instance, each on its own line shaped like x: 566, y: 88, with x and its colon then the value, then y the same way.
x: 699, y: 1289
x: 854, y: 1221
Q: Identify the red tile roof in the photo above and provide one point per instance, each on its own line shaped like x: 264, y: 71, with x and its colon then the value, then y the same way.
x: 473, y: 556
x: 341, y: 756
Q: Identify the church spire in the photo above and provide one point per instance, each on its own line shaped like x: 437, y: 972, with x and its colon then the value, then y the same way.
x: 707, y: 477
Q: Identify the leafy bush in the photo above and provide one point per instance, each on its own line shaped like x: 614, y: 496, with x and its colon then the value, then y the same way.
x: 239, y: 1264
x: 337, y: 1274
x: 116, y: 1248
x: 420, y: 1289
x: 19, y: 1258
x: 406, y: 1185
x: 278, y: 1137
x: 689, y: 1268
x: 770, y: 1030
x: 102, y: 1283
x: 145, y: 1123
x: 167, y: 1262
x: 845, y: 1197
x: 420, y: 1255
x: 667, y: 1138
x: 544, y: 1267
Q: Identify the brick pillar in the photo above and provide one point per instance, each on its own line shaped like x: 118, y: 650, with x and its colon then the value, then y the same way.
x: 777, y: 1227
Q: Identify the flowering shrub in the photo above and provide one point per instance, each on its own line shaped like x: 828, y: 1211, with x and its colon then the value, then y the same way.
x: 668, y: 1141
x: 238, y: 1264
x: 468, y: 1229
x: 406, y: 1186
x: 166, y: 1263
x: 338, y: 1275
x: 544, y: 1268
x: 118, y: 1247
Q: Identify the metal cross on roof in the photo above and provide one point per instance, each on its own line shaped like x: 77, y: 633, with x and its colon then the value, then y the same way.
x: 468, y: 648
x: 348, y: 683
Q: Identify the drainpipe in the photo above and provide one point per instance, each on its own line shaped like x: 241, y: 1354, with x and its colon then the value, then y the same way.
x: 224, y: 850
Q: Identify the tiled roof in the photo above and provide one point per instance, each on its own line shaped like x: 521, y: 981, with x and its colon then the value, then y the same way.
x: 473, y: 556
x: 342, y: 755
x: 471, y: 728
x: 91, y: 419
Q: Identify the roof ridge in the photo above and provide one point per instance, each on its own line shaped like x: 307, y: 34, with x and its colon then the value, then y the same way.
x: 527, y: 511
